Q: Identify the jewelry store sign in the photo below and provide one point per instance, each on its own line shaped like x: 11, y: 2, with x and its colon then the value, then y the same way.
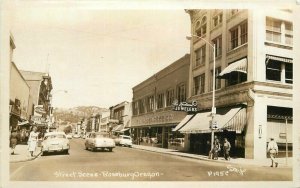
x: 184, y: 106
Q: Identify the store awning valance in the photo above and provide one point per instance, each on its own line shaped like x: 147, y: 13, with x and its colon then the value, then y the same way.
x: 231, y: 119
x: 23, y: 123
x: 123, y: 130
x: 238, y: 66
x: 276, y: 58
x: 118, y: 128
x: 183, y: 122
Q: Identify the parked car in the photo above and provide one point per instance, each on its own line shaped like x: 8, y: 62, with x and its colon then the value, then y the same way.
x: 123, y: 140
x: 55, y: 142
x: 99, y: 140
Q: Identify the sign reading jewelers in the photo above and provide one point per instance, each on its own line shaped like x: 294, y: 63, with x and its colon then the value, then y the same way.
x: 184, y: 106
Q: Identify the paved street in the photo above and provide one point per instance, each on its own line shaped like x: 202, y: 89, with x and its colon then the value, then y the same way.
x: 127, y: 164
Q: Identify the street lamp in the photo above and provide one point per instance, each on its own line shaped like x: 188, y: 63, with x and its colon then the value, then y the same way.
x: 213, y: 109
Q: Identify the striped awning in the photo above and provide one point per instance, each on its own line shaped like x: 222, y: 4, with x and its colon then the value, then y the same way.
x: 238, y: 66
x: 276, y: 58
x: 231, y: 119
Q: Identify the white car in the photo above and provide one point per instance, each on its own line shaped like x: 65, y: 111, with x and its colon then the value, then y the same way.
x: 99, y: 140
x: 123, y: 140
x: 55, y: 142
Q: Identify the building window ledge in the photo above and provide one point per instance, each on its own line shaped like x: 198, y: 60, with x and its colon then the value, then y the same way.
x: 240, y: 47
x: 279, y: 45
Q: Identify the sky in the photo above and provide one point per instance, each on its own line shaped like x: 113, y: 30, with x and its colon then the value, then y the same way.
x: 97, y: 55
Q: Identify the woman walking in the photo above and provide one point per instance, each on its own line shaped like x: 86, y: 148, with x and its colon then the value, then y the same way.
x: 32, y: 141
x: 13, y: 140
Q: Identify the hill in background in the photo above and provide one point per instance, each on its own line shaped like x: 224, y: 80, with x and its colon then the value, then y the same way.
x: 76, y: 114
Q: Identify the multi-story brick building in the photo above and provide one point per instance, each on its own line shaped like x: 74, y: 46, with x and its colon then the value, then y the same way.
x: 254, y: 69
x: 153, y: 116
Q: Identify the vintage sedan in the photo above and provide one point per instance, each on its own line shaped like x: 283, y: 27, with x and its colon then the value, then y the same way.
x: 55, y: 142
x: 123, y: 140
x: 99, y: 140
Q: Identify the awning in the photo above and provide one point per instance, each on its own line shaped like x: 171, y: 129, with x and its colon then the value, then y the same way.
x: 276, y: 58
x: 238, y: 66
x: 118, y: 128
x: 23, y: 123
x: 125, y: 129
x: 231, y: 119
x: 183, y: 122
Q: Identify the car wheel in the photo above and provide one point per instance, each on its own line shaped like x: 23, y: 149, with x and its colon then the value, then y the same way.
x: 110, y: 149
x: 67, y: 152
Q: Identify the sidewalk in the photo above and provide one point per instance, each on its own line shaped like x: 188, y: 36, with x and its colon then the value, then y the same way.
x: 22, y: 154
x: 241, y: 161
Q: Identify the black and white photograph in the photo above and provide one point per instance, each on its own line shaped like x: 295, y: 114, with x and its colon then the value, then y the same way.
x: 153, y: 93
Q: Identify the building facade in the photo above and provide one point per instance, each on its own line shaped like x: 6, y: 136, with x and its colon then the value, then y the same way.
x: 152, y: 113
x: 120, y: 116
x: 254, y: 79
x: 40, y: 91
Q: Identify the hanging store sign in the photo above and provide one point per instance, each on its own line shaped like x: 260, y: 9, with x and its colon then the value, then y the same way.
x: 184, y: 106
x: 39, y: 110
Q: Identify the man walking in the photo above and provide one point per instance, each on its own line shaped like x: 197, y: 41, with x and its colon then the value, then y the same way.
x: 273, y: 150
x: 226, y: 148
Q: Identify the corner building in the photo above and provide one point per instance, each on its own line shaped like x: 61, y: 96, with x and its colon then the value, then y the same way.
x: 153, y: 117
x: 254, y: 79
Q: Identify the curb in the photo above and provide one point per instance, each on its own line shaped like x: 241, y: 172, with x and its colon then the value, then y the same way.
x: 28, y: 159
x: 205, y: 159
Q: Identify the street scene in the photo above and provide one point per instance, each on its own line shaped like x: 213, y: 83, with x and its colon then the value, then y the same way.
x: 150, y: 95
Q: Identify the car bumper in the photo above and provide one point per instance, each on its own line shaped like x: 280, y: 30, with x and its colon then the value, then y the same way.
x: 55, y: 148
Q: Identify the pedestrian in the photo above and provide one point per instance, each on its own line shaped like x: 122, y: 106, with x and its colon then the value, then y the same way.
x: 273, y: 150
x: 13, y: 140
x: 216, y: 148
x: 226, y: 148
x: 32, y: 141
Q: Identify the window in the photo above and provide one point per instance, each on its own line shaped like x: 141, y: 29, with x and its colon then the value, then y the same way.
x: 141, y: 106
x: 279, y: 71
x: 170, y: 97
x: 218, y: 81
x: 244, y: 33
x: 203, y: 26
x: 288, y: 33
x: 273, y: 30
x: 181, y: 93
x: 273, y: 70
x: 199, y: 83
x: 135, y: 108
x: 150, y: 103
x: 217, y: 20
x: 200, y: 56
x: 289, y: 73
x: 200, y: 28
x: 235, y: 77
x: 279, y: 31
x: 161, y: 100
x: 234, y: 38
x: 238, y: 35
x: 218, y: 45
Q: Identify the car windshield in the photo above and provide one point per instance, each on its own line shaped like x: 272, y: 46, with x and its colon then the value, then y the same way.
x: 54, y: 136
